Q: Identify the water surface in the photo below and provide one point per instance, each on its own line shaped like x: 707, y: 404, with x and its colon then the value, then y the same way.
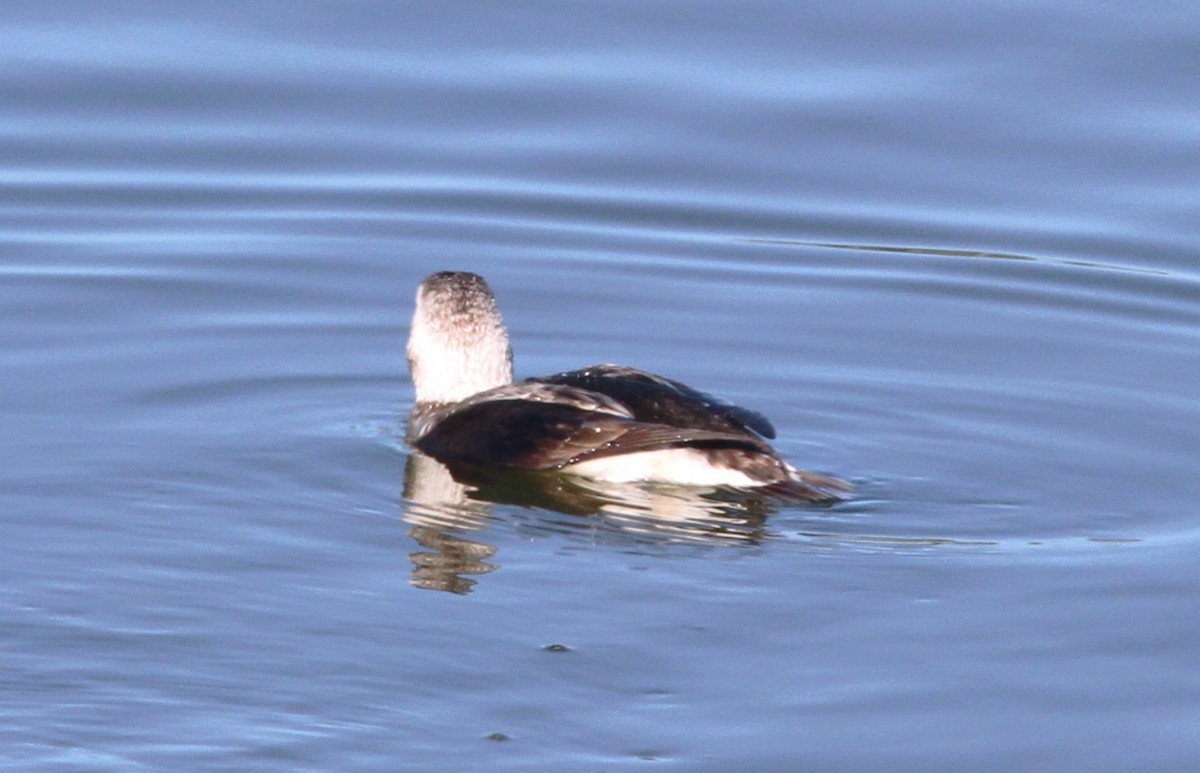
x: 950, y: 252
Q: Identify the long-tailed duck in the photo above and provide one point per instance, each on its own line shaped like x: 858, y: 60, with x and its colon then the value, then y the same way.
x: 607, y: 422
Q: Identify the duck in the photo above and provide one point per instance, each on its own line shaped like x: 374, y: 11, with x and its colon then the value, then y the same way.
x: 611, y: 423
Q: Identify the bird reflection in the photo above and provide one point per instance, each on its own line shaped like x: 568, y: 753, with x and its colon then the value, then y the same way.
x: 443, y: 504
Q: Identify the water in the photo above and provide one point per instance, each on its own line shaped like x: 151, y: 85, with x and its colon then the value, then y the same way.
x: 949, y: 251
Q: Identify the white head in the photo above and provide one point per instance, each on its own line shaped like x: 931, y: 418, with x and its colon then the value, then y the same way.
x: 457, y: 346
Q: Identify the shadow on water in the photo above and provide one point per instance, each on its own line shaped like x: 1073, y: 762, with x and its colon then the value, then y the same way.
x: 442, y: 505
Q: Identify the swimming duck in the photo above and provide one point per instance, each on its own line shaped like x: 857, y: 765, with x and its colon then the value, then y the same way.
x: 608, y: 422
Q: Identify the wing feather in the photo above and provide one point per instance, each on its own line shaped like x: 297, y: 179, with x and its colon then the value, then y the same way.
x: 654, y: 399
x: 538, y: 434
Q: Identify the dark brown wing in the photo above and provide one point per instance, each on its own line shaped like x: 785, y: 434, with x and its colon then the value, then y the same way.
x: 425, y: 416
x: 657, y: 400
x: 533, y: 435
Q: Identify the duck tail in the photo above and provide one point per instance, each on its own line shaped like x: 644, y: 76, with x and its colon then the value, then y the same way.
x: 805, y: 486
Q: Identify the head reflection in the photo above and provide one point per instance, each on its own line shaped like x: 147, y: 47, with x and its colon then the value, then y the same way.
x: 437, y: 506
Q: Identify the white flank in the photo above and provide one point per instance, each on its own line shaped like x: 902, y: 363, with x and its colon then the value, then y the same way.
x: 682, y: 466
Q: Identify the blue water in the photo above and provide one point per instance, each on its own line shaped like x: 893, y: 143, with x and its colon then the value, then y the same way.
x: 950, y: 250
